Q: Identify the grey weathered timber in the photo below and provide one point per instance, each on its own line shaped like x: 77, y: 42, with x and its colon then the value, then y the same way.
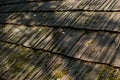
x: 35, y: 64
x: 85, y: 20
x: 60, y: 39
x: 86, y: 45
x: 110, y: 5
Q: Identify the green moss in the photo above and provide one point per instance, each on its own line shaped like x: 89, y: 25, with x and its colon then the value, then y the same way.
x: 93, y: 50
x: 64, y: 71
x: 20, y: 63
x: 70, y: 78
x: 10, y: 60
x: 118, y: 76
x: 45, y: 30
x: 46, y: 78
x: 17, y: 69
x: 110, y: 73
x: 101, y: 73
x: 90, y: 42
x: 5, y: 65
x: 31, y: 72
x: 57, y: 66
x: 60, y: 74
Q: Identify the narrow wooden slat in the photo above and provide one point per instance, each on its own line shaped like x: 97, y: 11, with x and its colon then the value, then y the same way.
x: 104, y: 5
x: 111, y: 22
x: 83, y: 4
x: 110, y: 3
x: 93, y: 71
x: 101, y: 47
x: 46, y: 40
x: 97, y: 4
x: 16, y: 65
x: 58, y: 67
x: 73, y: 42
x: 4, y: 51
x: 43, y: 64
x: 31, y: 40
x: 115, y: 54
x: 113, y: 49
x: 61, y: 5
x: 106, y: 48
x: 8, y: 55
x: 27, y: 66
x: 63, y: 33
x: 49, y: 68
x: 65, y: 42
x: 35, y: 63
x: 110, y: 19
x: 5, y: 65
x: 88, y: 20
x: 79, y: 51
x: 94, y: 47
x: 75, y: 48
x: 113, y: 4
x: 43, y: 38
x: 4, y: 31
x: 85, y: 45
x: 90, y: 45
x: 55, y: 38
x: 36, y: 69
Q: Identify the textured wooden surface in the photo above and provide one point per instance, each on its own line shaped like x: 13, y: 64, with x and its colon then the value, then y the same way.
x: 60, y: 39
x: 19, y: 63
x: 23, y: 5
x: 87, y: 45
x: 88, y: 20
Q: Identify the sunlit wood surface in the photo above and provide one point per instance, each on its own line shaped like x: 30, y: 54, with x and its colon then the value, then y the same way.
x: 59, y: 39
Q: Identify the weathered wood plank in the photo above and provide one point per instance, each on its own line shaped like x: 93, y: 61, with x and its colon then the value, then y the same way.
x: 85, y: 45
x: 102, y: 40
x: 45, y: 65
x: 90, y: 46
x: 62, y: 5
x: 87, y: 20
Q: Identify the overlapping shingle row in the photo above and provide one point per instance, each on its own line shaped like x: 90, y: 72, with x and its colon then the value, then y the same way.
x: 18, y: 63
x: 66, y: 40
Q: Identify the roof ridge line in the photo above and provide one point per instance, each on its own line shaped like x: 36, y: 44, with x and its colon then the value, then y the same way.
x: 69, y: 57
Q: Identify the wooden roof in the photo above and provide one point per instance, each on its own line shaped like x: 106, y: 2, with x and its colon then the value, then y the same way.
x: 59, y: 39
